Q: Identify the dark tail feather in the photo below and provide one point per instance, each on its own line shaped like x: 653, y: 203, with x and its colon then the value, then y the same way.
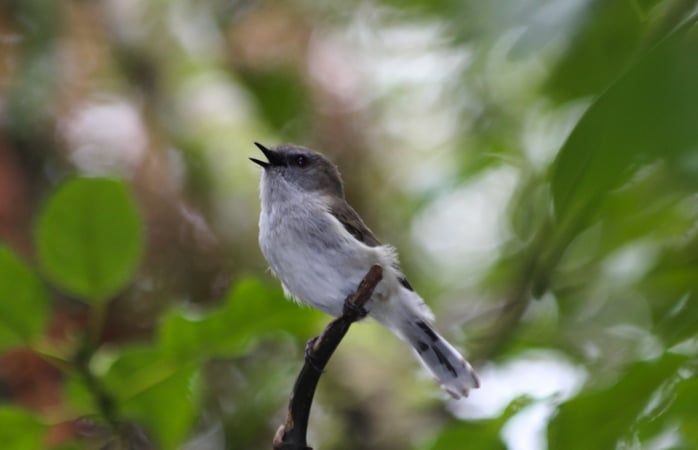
x: 444, y: 362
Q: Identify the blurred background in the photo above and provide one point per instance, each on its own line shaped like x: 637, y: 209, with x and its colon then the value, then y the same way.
x: 535, y: 163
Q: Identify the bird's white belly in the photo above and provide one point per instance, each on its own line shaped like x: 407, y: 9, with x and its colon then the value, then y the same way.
x: 318, y: 261
x: 322, y: 279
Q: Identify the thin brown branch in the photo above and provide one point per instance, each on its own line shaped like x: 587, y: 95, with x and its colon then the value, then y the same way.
x: 292, y: 435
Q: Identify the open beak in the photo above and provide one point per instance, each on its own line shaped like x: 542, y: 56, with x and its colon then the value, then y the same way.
x: 273, y: 158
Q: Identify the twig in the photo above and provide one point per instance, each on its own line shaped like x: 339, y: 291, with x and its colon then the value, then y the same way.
x: 104, y: 402
x: 292, y: 435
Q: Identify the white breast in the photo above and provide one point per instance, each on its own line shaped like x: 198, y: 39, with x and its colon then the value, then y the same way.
x: 317, y: 260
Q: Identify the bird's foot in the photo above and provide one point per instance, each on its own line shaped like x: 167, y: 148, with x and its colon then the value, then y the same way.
x: 353, y: 311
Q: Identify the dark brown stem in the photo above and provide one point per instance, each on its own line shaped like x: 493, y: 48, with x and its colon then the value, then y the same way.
x: 104, y: 403
x: 292, y: 435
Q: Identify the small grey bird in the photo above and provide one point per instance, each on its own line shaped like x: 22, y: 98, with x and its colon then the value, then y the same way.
x: 320, y: 249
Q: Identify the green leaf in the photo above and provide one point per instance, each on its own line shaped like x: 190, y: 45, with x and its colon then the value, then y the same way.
x: 677, y: 325
x: 481, y: 434
x: 600, y: 49
x: 647, y: 115
x: 19, y: 430
x: 672, y: 287
x: 678, y: 406
x: 154, y: 392
x: 148, y: 390
x: 78, y: 396
x: 23, y: 301
x: 167, y: 408
x: 598, y: 419
x: 89, y: 237
x: 250, y: 311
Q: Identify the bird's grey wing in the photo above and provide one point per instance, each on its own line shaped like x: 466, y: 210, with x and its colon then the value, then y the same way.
x: 351, y: 221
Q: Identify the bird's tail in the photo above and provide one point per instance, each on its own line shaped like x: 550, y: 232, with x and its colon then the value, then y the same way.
x: 444, y: 362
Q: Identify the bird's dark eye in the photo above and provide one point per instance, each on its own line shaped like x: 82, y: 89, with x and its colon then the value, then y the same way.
x: 301, y: 161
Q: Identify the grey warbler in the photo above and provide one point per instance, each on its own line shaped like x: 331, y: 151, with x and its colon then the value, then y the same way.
x: 320, y: 249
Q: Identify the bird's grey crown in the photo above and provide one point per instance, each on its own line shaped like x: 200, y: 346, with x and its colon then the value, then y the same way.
x: 314, y: 173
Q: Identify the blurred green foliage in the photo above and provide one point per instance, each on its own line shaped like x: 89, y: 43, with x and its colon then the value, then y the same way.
x: 589, y: 415
x: 23, y: 302
x: 250, y: 311
x: 535, y: 163
x: 20, y: 428
x: 89, y: 238
x: 480, y: 433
